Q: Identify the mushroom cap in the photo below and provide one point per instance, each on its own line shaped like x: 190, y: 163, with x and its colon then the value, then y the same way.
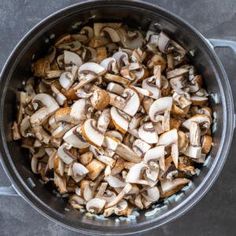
x: 100, y: 99
x: 91, y: 133
x: 159, y: 107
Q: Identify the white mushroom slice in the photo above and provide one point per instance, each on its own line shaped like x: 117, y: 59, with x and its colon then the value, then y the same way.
x: 114, y: 182
x: 159, y: 107
x: 79, y: 171
x: 121, y: 58
x: 199, y: 101
x: 74, y: 138
x: 171, y: 138
x: 115, y: 134
x: 194, y: 134
x: 206, y: 144
x: 135, y: 121
x: 111, y: 143
x: 92, y: 67
x: 84, y: 81
x: 156, y: 154
x: 163, y: 42
x: 135, y: 174
x: 201, y: 119
x: 63, y: 115
x: 127, y: 153
x: 91, y: 133
x: 122, y: 208
x: 49, y: 107
x: 115, y: 88
x: 95, y: 205
x: 152, y: 194
x: 141, y: 91
x: 104, y: 120
x: 64, y: 153
x: 78, y: 110
x: 106, y: 160
x: 60, y: 98
x: 117, y: 101
x: 148, y: 133
x: 120, y: 196
x: 109, y: 64
x: 148, y: 84
x: 132, y: 102
x: 112, y: 33
x: 169, y: 187
x: 59, y: 132
x: 176, y: 72
x: 71, y: 58
x: 119, y: 119
x: 140, y: 147
x: 95, y: 167
x: 66, y: 80
x: 193, y: 152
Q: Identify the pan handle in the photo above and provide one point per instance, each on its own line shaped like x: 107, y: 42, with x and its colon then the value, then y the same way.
x: 8, y: 191
x: 224, y: 43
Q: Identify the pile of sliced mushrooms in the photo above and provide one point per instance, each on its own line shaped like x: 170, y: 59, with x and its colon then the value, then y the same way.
x: 115, y: 119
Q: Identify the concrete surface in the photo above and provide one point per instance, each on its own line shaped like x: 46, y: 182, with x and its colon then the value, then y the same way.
x: 215, y: 215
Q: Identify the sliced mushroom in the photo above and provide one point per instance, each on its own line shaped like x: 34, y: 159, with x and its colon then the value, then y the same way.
x: 114, y: 182
x: 193, y: 152
x: 159, y: 107
x: 116, y: 78
x: 91, y: 133
x: 49, y: 107
x: 100, y: 98
x: 60, y: 182
x: 169, y: 187
x: 127, y: 153
x: 79, y: 171
x: 140, y: 147
x: 176, y: 72
x: 95, y: 167
x: 86, y: 190
x: 71, y: 58
x: 78, y: 110
x: 115, y: 88
x: 206, y: 144
x: 86, y: 158
x: 109, y: 64
x: 65, y: 154
x: 117, y: 101
x: 95, y: 205
x: 152, y: 194
x: 148, y: 133
x: 119, y: 119
x: 92, y: 67
x: 194, y: 134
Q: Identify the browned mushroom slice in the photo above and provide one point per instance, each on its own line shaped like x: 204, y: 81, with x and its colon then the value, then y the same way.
x: 86, y: 158
x: 157, y: 59
x: 95, y: 167
x: 91, y: 133
x: 206, y: 144
x: 118, y: 167
x: 76, y: 201
x: 86, y: 190
x: 41, y: 66
x: 98, y: 27
x: 100, y: 98
x: 183, y: 141
x: 169, y: 187
x: 115, y: 88
x: 177, y: 72
x: 117, y: 78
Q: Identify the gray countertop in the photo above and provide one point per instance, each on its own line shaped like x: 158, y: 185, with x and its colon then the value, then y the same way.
x: 216, y: 213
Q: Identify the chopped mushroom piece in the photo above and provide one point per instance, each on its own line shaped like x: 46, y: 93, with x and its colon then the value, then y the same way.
x: 116, y: 120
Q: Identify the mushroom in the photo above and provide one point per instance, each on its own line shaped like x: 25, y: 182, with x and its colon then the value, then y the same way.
x: 183, y: 141
x: 91, y: 133
x: 60, y: 182
x: 151, y: 87
x: 194, y: 134
x: 115, y: 88
x: 60, y: 98
x: 117, y: 101
x: 100, y: 98
x: 121, y: 58
x: 58, y: 165
x: 206, y: 144
x: 49, y: 107
x: 119, y: 119
x: 132, y: 101
x: 95, y: 167
x: 171, y: 138
x: 127, y: 153
x: 140, y: 147
x: 114, y: 182
x: 104, y: 120
x: 76, y: 201
x: 159, y: 107
x: 193, y: 152
x: 86, y: 158
x: 86, y: 190
x: 106, y: 160
x: 169, y: 187
x: 95, y: 205
x: 176, y: 72
x: 120, y: 196
x: 78, y: 110
x: 92, y: 67
x: 79, y: 171
x: 109, y: 64
x: 112, y: 33
x: 151, y: 194
x: 116, y: 78
x: 71, y: 58
x: 65, y: 154
x: 148, y: 133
